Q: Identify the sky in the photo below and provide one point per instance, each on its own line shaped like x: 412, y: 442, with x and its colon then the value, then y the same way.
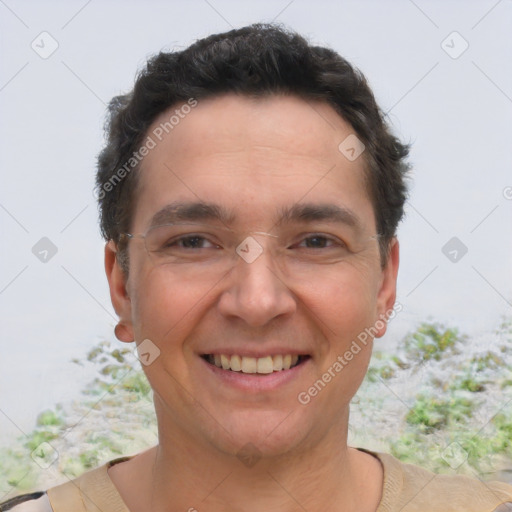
x: 439, y: 69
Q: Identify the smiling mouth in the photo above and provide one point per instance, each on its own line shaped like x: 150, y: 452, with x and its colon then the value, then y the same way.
x: 256, y: 365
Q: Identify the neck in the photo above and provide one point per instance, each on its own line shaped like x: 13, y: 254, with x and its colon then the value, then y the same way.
x: 324, y: 475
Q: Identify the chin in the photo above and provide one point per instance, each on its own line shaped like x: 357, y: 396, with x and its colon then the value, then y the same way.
x: 260, y: 434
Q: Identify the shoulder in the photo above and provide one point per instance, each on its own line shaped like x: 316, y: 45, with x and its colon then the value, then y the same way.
x: 410, y: 488
x: 92, y: 490
x: 33, y: 502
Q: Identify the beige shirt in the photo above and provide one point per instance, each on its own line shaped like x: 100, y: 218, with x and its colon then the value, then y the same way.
x: 406, y: 488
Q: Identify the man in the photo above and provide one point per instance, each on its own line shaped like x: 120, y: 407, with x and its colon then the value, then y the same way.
x: 250, y: 192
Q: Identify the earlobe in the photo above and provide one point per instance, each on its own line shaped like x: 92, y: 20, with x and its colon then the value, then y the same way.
x: 123, y: 333
x: 387, y: 292
x: 119, y: 296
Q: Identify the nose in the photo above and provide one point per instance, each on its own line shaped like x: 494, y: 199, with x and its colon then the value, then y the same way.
x: 256, y: 291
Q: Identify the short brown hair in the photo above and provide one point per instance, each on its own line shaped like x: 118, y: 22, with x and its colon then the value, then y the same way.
x: 257, y: 60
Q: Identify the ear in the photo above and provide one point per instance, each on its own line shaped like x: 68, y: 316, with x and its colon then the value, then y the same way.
x: 117, y: 281
x: 387, y: 292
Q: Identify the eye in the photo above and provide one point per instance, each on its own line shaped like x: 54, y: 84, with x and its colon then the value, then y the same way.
x: 319, y: 241
x: 190, y: 242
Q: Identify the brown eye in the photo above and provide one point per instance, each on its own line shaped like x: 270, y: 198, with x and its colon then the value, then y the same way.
x: 191, y: 242
x: 319, y: 242
x: 316, y: 242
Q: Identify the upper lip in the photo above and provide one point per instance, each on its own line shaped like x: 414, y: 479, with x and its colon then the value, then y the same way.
x: 244, y: 352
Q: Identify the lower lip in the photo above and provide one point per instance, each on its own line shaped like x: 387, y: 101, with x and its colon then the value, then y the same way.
x: 256, y: 382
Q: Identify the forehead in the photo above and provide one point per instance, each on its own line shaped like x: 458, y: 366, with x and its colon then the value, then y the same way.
x: 262, y: 154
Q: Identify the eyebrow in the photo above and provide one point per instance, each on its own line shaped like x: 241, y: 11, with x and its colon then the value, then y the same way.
x: 312, y: 212
x: 191, y: 211
x: 298, y: 213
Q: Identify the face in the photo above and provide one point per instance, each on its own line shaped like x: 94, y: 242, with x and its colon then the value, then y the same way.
x: 277, y: 266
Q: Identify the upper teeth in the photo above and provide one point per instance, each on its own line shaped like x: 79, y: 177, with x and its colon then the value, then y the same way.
x: 267, y: 364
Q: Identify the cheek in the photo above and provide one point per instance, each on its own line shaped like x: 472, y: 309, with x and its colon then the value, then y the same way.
x: 165, y: 311
x: 343, y: 302
x: 164, y: 307
x: 343, y: 308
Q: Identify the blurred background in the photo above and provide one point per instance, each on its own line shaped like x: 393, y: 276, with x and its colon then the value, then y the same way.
x: 439, y: 69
